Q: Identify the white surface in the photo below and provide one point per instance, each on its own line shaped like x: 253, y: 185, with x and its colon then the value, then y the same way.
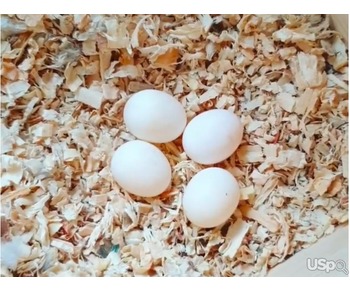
x: 154, y: 116
x: 212, y: 136
x: 141, y: 169
x: 211, y: 197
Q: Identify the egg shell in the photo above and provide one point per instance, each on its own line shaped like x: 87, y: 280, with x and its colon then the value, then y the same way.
x: 211, y: 197
x: 212, y: 136
x: 154, y: 116
x: 141, y: 169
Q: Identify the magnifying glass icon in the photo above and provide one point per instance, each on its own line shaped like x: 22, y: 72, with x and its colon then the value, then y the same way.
x: 340, y: 266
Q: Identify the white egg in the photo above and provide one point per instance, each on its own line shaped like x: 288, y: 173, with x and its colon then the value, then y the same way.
x: 141, y: 169
x: 211, y: 197
x: 212, y: 136
x: 154, y: 116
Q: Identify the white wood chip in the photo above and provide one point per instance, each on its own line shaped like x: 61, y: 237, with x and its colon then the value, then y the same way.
x: 13, y: 170
x: 17, y: 89
x: 260, y: 217
x: 70, y: 154
x: 345, y: 164
x: 286, y: 101
x: 234, y: 237
x: 90, y: 97
x: 249, y: 153
x: 254, y: 125
x: 208, y: 95
x: 247, y: 192
x: 63, y: 245
x: 43, y: 130
x: 13, y: 251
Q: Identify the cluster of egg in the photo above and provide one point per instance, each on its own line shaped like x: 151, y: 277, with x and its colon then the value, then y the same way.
x: 139, y: 167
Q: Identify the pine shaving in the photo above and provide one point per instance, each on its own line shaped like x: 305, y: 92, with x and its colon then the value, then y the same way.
x: 262, y: 218
x: 65, y: 81
x: 90, y: 97
x: 250, y: 154
x: 235, y: 235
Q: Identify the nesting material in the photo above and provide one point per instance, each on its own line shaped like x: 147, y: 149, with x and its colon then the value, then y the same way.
x: 64, y: 82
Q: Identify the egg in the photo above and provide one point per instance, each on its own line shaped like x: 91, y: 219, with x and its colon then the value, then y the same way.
x: 211, y: 197
x: 141, y: 169
x: 212, y: 136
x: 154, y: 116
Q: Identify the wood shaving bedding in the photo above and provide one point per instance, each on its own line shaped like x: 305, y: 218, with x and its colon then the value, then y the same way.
x: 64, y: 82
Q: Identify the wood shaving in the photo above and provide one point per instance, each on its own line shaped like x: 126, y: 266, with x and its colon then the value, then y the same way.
x: 4, y: 227
x: 260, y: 217
x: 12, y: 252
x: 286, y: 101
x: 234, y: 237
x: 90, y: 97
x: 64, y: 82
x: 249, y: 154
